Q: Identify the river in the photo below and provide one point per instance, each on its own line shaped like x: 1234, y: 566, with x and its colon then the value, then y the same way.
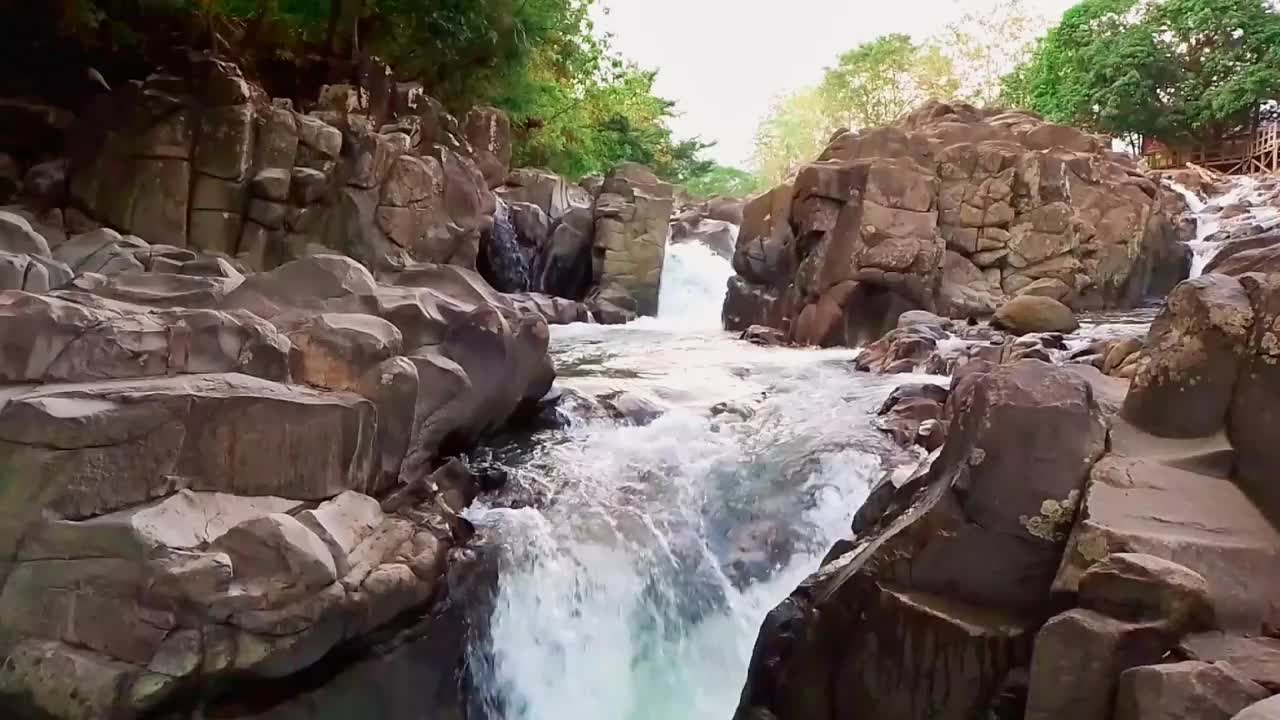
x: 637, y: 560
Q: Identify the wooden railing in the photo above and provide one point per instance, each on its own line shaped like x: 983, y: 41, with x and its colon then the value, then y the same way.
x: 1242, y: 155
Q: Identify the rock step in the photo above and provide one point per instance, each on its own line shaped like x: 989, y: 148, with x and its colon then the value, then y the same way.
x: 78, y: 450
x: 1172, y: 499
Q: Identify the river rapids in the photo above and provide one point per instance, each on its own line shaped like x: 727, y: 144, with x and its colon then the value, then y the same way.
x: 637, y: 559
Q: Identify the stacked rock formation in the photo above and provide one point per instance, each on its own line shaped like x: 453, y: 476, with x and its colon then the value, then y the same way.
x: 228, y: 477
x: 206, y: 165
x: 954, y: 210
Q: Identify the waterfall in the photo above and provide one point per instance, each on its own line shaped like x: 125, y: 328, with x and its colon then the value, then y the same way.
x: 695, y: 280
x: 633, y: 587
x: 1209, y: 220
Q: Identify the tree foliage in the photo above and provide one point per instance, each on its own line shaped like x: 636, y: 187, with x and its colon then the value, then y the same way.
x: 577, y: 108
x: 877, y: 82
x: 987, y: 43
x: 1174, y: 69
x: 873, y: 84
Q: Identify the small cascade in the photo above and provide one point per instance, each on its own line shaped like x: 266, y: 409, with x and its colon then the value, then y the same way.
x: 695, y: 280
x: 500, y: 260
x: 1208, y: 215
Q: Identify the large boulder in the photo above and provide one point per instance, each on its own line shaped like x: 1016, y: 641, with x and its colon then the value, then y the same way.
x: 1015, y: 202
x: 1005, y: 484
x: 1184, y: 389
x: 1035, y: 314
x: 632, y: 217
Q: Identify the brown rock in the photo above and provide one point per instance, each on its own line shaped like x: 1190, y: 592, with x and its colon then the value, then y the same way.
x: 1258, y: 658
x: 1078, y: 658
x: 1032, y: 313
x: 1185, y: 690
x: 1185, y: 388
x: 1143, y: 588
x: 909, y: 575
x: 1268, y: 709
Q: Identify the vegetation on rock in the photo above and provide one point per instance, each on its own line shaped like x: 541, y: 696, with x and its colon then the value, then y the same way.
x: 577, y: 107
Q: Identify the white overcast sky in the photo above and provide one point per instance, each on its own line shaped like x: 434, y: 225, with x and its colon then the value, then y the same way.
x: 723, y: 61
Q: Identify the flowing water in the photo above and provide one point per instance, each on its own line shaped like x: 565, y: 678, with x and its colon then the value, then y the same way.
x: 638, y: 560
x: 1209, y: 220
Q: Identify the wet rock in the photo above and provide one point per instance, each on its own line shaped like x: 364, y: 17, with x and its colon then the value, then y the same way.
x: 631, y: 408
x: 764, y: 336
x: 971, y: 625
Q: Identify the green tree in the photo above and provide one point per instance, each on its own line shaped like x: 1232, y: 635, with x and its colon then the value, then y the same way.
x: 873, y: 84
x: 577, y: 107
x: 796, y: 129
x: 987, y: 44
x: 1174, y: 69
x: 721, y: 181
x: 878, y: 82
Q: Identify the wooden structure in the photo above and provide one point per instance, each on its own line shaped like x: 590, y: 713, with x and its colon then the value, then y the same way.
x: 1250, y: 153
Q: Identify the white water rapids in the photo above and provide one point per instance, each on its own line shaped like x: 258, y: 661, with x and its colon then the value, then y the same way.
x: 1209, y: 220
x: 636, y: 571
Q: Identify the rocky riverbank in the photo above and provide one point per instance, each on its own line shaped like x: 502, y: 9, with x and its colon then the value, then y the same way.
x: 241, y: 346
x: 1092, y: 536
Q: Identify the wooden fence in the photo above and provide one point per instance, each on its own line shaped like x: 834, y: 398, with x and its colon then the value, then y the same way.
x: 1240, y: 155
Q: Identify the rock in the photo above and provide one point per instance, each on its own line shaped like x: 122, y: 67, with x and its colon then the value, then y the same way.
x: 1185, y: 690
x: 632, y: 220
x: 277, y: 559
x: 488, y: 130
x: 135, y: 437
x: 566, y: 264
x: 883, y: 205
x: 1047, y: 287
x: 50, y: 339
x: 554, y: 195
x: 765, y: 336
x: 1252, y: 422
x: 1143, y: 588
x: 909, y: 576
x: 342, y: 523
x: 1185, y: 388
x: 1032, y: 313
x: 271, y: 184
x: 18, y: 238
x: 46, y: 183
x: 1078, y: 658
x: 630, y: 408
x: 335, y: 350
x: 1174, y: 499
x: 1258, y: 658
x: 1268, y: 709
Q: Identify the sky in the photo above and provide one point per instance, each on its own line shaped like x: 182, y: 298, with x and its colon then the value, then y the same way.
x: 723, y: 61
